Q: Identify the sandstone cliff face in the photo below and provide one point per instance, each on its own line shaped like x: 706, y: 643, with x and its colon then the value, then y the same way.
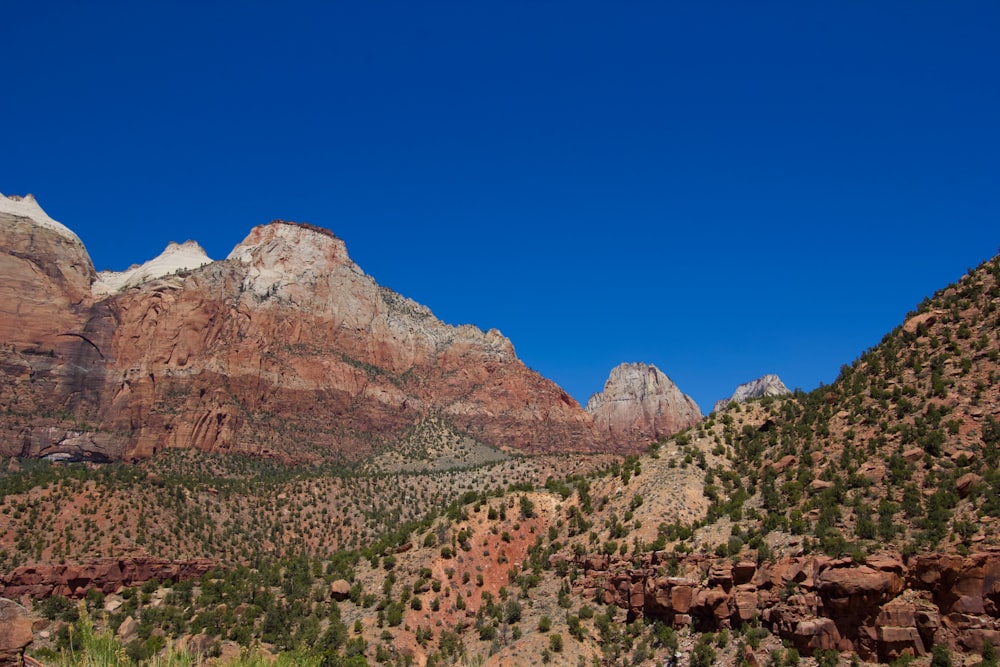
x: 640, y: 403
x: 47, y: 275
x: 108, y: 575
x: 44, y: 303
x: 286, y: 348
x: 881, y: 609
x: 768, y: 385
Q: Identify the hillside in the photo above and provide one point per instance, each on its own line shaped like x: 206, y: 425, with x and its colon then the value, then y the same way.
x: 901, y: 450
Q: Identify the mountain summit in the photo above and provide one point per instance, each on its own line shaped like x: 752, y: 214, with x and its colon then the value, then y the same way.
x: 28, y: 207
x: 640, y: 402
x: 767, y: 385
x: 176, y: 257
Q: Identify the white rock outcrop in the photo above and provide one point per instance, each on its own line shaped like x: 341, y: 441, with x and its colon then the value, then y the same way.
x: 176, y: 257
x: 27, y: 207
x: 768, y: 385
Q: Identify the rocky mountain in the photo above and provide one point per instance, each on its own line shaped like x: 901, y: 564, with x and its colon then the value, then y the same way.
x: 286, y: 348
x: 640, y: 403
x: 767, y: 385
x: 858, y: 523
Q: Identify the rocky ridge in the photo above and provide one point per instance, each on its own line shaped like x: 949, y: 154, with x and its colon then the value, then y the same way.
x: 767, y: 385
x: 175, y: 258
x: 27, y: 207
x: 881, y: 609
x: 640, y: 403
x: 286, y: 348
x: 107, y: 575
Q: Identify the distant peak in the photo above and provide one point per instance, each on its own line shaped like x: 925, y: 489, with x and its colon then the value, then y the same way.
x: 188, y: 247
x: 632, y: 379
x: 175, y: 257
x: 640, y: 401
x: 262, y: 238
x: 28, y: 207
x: 766, y: 385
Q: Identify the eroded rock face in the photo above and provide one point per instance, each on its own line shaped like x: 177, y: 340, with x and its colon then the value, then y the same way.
x: 15, y: 632
x: 767, y: 385
x: 45, y: 360
x: 640, y: 403
x: 46, y: 282
x: 285, y: 349
x: 107, y: 575
x: 880, y: 609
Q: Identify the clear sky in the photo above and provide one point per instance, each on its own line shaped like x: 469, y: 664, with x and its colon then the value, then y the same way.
x: 723, y: 189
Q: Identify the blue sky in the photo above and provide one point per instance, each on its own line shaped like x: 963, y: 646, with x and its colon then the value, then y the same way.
x: 724, y: 189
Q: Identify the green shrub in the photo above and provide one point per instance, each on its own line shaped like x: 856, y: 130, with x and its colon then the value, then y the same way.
x: 989, y: 655
x: 827, y: 658
x: 940, y: 656
x: 703, y: 654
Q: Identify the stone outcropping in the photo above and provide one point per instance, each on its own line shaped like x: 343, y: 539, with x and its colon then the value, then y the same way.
x: 177, y: 257
x: 880, y: 609
x: 640, y: 403
x: 107, y: 575
x: 15, y: 632
x: 286, y: 348
x: 768, y: 385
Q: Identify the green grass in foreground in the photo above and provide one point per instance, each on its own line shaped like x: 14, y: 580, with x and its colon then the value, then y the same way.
x: 91, y: 648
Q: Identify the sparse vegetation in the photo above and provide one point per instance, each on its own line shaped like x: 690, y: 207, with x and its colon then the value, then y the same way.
x: 459, y: 553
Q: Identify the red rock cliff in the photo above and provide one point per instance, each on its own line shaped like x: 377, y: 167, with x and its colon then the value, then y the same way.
x: 881, y: 609
x: 286, y: 348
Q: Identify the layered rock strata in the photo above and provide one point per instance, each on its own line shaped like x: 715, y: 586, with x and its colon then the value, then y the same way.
x: 286, y: 348
x: 640, y: 403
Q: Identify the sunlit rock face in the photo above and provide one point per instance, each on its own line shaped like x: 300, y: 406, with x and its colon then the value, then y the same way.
x: 768, y: 385
x: 176, y: 258
x: 45, y: 278
x: 286, y: 348
x: 640, y: 403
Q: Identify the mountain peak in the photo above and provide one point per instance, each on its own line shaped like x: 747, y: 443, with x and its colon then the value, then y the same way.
x: 175, y: 257
x: 766, y: 385
x: 283, y: 253
x: 640, y: 400
x: 28, y: 207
